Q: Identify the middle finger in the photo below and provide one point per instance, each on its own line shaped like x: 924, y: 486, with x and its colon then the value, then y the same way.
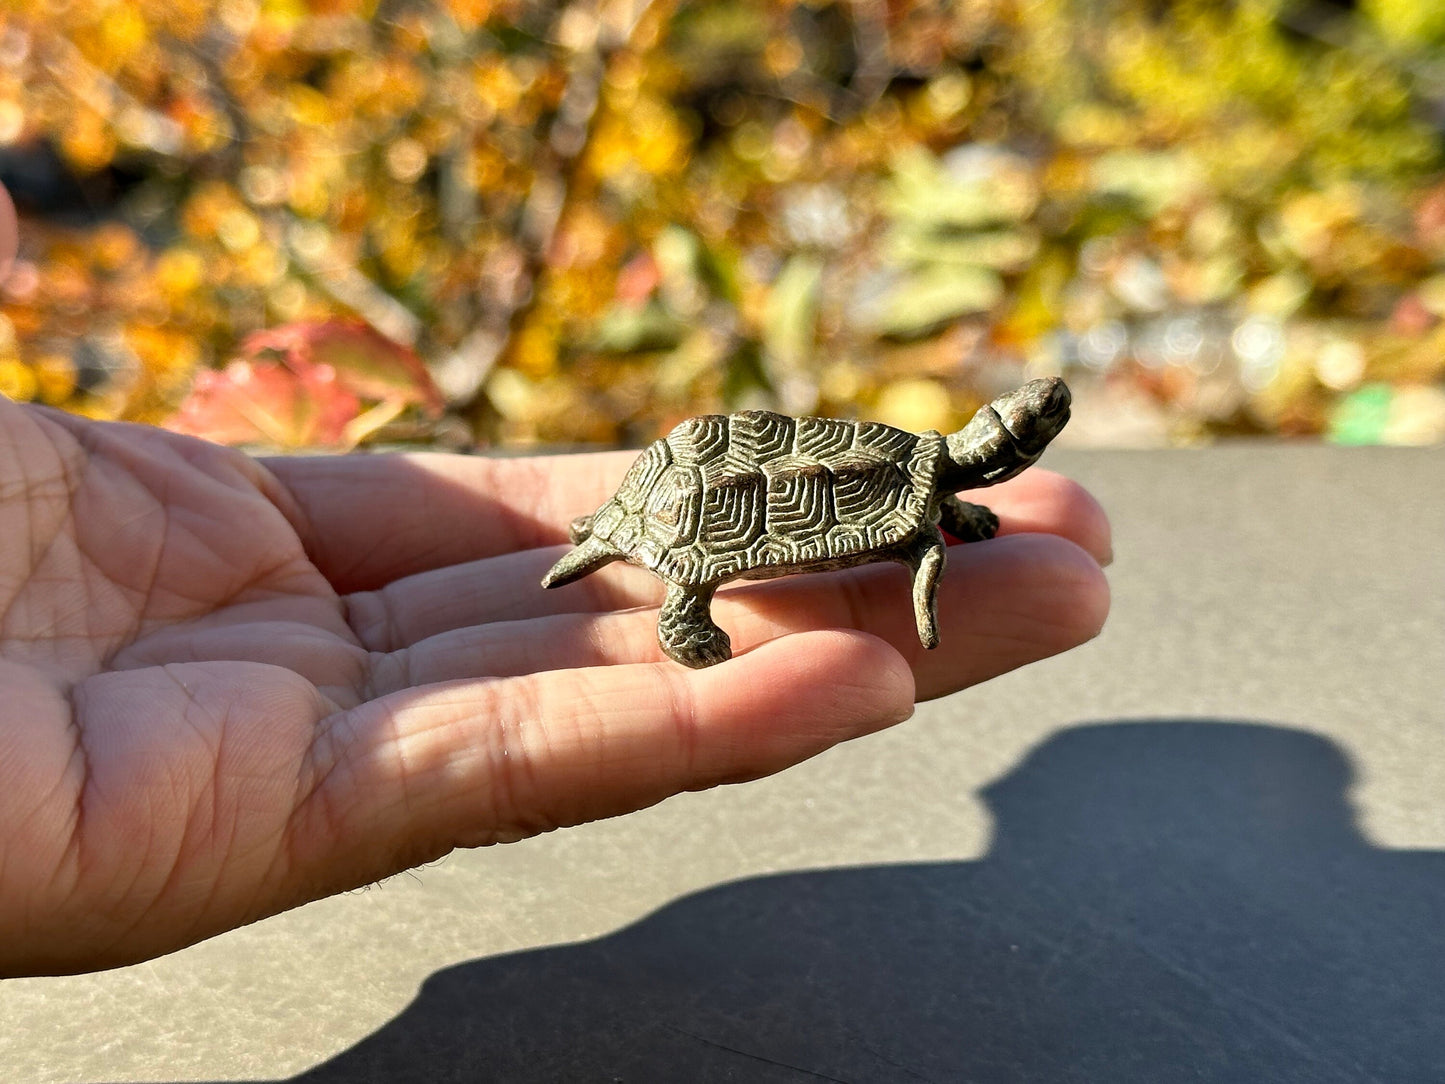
x: 999, y: 606
x: 506, y: 588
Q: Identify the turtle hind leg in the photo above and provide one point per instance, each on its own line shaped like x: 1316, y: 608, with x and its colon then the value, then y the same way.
x: 686, y: 630
x: 926, y: 557
x: 966, y: 522
x: 586, y: 558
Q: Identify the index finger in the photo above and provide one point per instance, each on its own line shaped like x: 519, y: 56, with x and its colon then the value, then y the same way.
x: 368, y: 520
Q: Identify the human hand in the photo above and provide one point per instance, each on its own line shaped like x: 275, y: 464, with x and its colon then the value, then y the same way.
x: 235, y: 686
x: 9, y: 233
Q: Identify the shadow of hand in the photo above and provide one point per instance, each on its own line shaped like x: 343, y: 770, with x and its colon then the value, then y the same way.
x: 1162, y: 900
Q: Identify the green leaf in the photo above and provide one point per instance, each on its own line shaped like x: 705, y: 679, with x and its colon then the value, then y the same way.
x: 624, y: 330
x: 792, y: 314
x: 927, y: 300
x: 922, y: 194
x: 1361, y: 417
x: 1151, y: 179
x: 1005, y: 250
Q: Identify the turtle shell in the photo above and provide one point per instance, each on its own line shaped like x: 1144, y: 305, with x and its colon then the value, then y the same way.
x: 724, y: 495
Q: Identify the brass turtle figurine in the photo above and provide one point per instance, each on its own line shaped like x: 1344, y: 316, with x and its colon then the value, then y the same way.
x: 757, y: 495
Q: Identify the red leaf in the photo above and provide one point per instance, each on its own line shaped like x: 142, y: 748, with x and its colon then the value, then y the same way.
x: 1410, y: 317
x: 366, y: 363
x: 269, y: 404
x: 637, y: 280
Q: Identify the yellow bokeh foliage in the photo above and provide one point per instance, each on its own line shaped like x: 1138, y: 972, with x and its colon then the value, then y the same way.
x: 593, y: 218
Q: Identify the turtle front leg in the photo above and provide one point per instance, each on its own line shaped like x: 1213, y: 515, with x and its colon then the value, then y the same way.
x: 926, y: 557
x: 580, y: 530
x: 686, y: 630
x: 966, y: 522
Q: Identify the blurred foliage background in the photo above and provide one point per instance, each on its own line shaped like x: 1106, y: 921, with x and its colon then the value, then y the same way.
x: 320, y: 223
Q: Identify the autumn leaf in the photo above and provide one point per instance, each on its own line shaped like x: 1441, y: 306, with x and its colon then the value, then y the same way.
x: 365, y: 363
x: 270, y: 405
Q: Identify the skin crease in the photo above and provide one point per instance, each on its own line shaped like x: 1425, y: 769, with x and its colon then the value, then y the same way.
x: 234, y: 686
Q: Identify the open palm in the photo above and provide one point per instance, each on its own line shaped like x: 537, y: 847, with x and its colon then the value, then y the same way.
x: 233, y: 686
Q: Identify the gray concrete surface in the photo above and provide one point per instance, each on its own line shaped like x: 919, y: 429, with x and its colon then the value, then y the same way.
x: 1209, y: 846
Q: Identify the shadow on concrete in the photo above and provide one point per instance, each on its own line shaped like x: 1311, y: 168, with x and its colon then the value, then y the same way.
x: 1163, y: 901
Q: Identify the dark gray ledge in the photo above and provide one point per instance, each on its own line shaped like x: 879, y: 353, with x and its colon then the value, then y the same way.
x: 1210, y: 845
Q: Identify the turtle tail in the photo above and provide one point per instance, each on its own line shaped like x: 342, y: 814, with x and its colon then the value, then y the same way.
x: 587, y: 558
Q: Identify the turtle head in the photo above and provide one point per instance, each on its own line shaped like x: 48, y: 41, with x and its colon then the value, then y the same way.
x: 1007, y: 435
